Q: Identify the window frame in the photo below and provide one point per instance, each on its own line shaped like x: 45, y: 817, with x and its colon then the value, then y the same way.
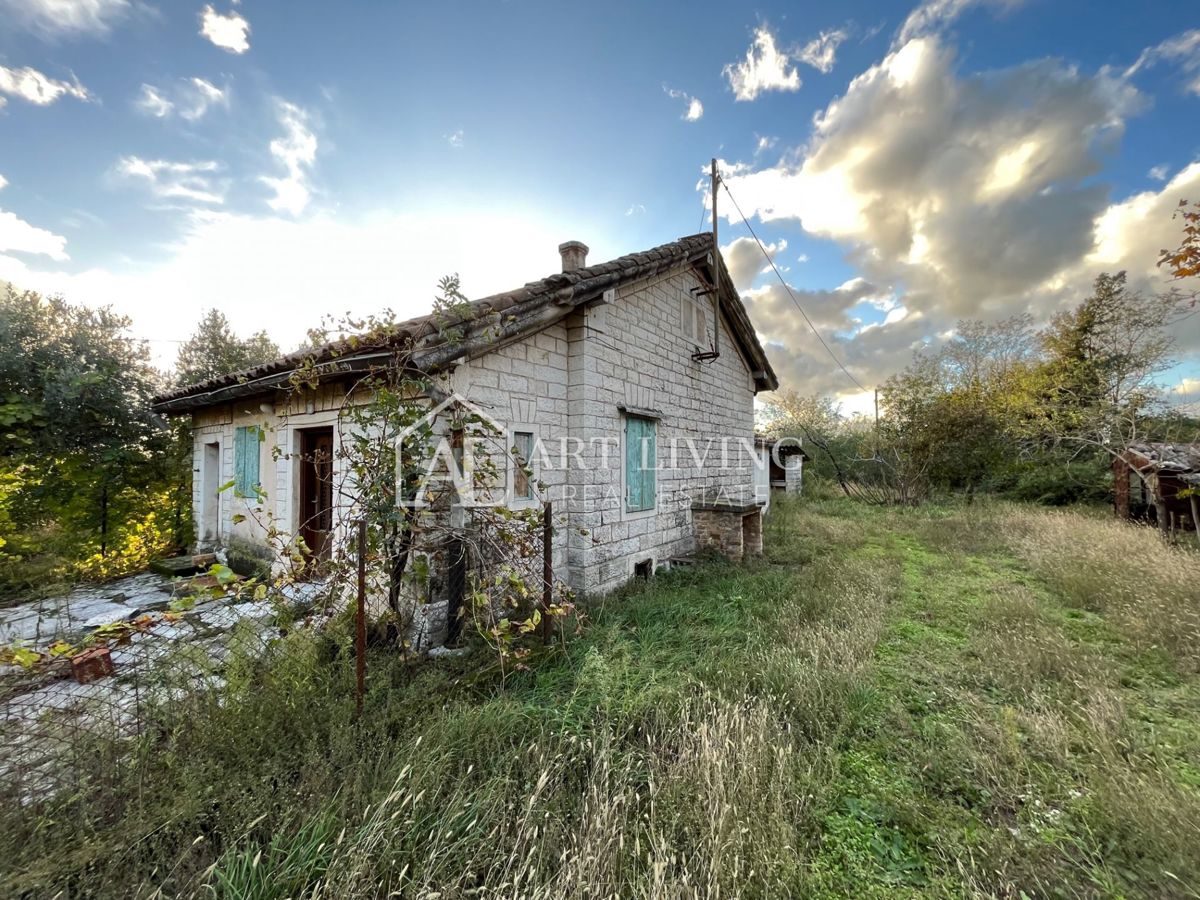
x: 513, y: 499
x: 693, y: 320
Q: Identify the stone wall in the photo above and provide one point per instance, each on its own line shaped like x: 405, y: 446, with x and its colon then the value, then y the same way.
x: 793, y: 472
x: 571, y: 384
x: 633, y: 353
x: 733, y: 531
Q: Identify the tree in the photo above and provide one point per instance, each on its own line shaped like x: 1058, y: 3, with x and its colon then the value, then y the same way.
x: 1184, y: 261
x: 953, y: 414
x: 75, y: 393
x: 214, y: 349
x: 1102, y: 361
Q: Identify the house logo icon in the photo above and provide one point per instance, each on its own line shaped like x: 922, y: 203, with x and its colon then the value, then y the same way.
x: 446, y: 457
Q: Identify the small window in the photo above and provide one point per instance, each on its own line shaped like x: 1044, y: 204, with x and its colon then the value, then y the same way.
x: 640, y: 460
x: 693, y: 319
x: 246, y: 455
x: 522, y: 448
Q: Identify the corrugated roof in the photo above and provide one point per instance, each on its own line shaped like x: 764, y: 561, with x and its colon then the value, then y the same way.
x: 1171, y: 457
x: 562, y: 288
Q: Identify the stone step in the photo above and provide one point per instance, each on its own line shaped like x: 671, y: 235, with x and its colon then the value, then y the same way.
x: 176, y: 566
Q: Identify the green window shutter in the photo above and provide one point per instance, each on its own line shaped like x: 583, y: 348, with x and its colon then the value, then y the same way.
x: 640, y: 455
x: 246, y: 453
x: 649, y: 475
x: 254, y: 436
x: 633, y: 469
x: 239, y: 461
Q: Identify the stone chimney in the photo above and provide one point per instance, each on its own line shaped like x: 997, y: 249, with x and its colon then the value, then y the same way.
x: 574, y: 255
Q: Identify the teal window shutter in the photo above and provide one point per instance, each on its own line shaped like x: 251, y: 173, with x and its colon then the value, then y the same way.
x: 640, y: 456
x: 633, y: 469
x: 239, y: 462
x: 245, y: 460
x: 650, y: 457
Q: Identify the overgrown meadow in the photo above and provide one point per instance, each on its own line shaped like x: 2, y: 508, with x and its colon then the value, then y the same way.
x: 985, y: 700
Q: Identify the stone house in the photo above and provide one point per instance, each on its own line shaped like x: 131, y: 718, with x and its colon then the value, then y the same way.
x: 653, y: 350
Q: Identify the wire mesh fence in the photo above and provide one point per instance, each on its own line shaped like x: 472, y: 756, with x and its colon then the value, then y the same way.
x: 88, y: 678
x: 87, y: 672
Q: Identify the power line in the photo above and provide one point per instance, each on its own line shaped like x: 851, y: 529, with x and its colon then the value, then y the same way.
x: 771, y: 263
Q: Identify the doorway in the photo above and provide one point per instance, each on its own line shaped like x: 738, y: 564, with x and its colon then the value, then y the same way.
x: 316, y: 491
x: 210, y: 499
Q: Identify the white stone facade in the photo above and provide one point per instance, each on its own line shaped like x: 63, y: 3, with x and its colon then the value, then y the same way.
x: 573, y: 385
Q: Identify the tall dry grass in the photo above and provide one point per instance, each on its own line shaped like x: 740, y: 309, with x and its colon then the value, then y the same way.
x: 704, y: 804
x: 1149, y: 589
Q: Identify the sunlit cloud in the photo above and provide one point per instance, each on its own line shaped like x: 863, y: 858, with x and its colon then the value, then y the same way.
x: 229, y: 31
x: 765, y: 68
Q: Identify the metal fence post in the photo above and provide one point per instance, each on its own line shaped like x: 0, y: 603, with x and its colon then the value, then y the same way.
x: 360, y: 630
x: 547, y: 570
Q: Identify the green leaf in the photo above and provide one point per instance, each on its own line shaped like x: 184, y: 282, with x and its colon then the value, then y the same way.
x: 223, y: 574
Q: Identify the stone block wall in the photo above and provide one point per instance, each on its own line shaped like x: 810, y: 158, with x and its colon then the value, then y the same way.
x: 570, y: 384
x: 733, y: 532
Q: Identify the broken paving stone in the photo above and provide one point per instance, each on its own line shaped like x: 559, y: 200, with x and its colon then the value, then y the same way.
x: 106, y: 614
x: 225, y: 617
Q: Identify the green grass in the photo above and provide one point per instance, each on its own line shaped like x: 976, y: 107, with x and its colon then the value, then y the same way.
x: 984, y: 700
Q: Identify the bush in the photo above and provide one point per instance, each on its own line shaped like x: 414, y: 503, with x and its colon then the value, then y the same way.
x: 1058, y: 482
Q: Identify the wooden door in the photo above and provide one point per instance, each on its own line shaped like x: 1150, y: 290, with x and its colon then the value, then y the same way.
x: 316, y: 490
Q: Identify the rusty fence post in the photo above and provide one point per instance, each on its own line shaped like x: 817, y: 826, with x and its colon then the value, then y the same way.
x: 547, y: 570
x: 360, y: 624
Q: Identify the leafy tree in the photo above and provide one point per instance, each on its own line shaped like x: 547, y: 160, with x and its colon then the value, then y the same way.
x: 954, y: 413
x: 1101, y: 365
x: 80, y: 447
x: 215, y: 350
x: 1184, y: 261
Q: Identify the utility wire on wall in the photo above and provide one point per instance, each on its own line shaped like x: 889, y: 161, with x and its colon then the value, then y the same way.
x: 774, y: 269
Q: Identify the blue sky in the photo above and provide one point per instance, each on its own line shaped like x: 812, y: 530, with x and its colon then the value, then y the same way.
x: 906, y: 165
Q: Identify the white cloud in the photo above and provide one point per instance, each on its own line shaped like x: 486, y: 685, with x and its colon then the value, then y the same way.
x: 203, y: 95
x: 295, y: 151
x: 765, y: 68
x: 279, y: 274
x: 1160, y: 173
x: 65, y: 18
x: 195, y: 181
x: 18, y: 236
x: 959, y: 196
x: 693, y: 108
x: 1183, y: 50
x: 228, y: 31
x: 457, y: 138
x: 190, y: 99
x: 764, y: 144
x: 821, y: 51
x: 635, y: 209
x: 3, y: 182
x: 932, y: 16
x: 745, y: 261
x: 153, y: 103
x: 33, y: 87
x: 1185, y: 396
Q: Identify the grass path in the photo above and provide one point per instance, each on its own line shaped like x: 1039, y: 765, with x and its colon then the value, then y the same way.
x: 951, y: 701
x: 1015, y: 743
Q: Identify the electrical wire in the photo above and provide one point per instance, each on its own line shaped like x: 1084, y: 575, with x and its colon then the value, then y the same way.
x: 771, y: 263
